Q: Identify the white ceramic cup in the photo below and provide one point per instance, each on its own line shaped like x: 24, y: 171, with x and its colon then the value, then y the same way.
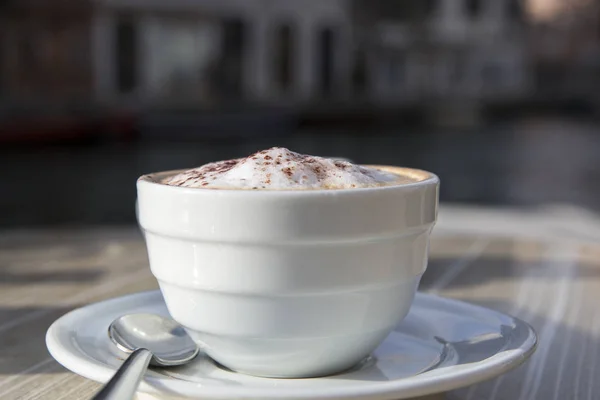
x: 288, y: 283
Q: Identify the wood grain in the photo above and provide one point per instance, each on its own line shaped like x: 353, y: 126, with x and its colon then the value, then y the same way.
x: 542, y: 266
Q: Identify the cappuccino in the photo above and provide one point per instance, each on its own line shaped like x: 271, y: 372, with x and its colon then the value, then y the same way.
x: 287, y: 283
x: 281, y: 169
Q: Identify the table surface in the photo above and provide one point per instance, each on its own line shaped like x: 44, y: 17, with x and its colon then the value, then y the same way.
x: 541, y: 265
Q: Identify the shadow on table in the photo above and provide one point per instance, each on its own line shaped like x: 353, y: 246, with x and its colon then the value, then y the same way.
x: 51, y: 277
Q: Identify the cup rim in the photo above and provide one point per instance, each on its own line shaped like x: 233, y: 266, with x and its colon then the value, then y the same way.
x: 424, y: 178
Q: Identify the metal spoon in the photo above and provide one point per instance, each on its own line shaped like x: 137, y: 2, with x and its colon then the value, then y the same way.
x: 151, y: 339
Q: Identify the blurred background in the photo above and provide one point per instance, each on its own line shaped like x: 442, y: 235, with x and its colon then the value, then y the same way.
x: 500, y: 98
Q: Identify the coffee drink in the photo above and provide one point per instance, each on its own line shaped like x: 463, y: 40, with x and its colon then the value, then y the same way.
x: 281, y: 169
x: 303, y: 276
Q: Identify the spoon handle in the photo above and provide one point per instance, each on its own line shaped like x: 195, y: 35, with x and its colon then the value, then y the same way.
x: 125, y: 381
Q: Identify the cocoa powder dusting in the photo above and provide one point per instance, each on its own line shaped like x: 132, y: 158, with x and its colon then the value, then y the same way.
x: 258, y: 171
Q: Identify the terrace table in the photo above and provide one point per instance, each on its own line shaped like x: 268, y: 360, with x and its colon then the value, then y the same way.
x: 542, y: 265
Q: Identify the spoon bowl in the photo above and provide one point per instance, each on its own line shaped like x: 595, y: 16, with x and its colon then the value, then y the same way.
x: 149, y: 339
x: 168, y: 342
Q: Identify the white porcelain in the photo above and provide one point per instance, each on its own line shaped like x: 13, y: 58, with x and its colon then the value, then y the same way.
x: 441, y: 345
x: 293, y: 283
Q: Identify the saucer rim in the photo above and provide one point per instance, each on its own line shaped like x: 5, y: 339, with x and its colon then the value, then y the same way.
x: 77, y: 361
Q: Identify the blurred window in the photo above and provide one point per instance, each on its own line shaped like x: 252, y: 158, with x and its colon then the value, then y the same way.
x: 27, y: 53
x: 398, y: 10
x: 232, y: 54
x: 181, y: 53
x: 396, y: 71
x: 325, y: 59
x: 430, y: 7
x: 515, y: 9
x: 49, y: 58
x: 127, y: 57
x: 473, y: 8
x: 359, y: 73
x: 284, y: 53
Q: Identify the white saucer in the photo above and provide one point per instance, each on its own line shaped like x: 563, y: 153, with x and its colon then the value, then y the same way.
x: 441, y: 345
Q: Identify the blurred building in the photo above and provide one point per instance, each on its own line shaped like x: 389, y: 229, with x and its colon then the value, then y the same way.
x: 45, y: 49
x: 284, y: 51
x: 566, y: 48
x: 144, y: 50
x: 444, y: 48
x: 256, y: 50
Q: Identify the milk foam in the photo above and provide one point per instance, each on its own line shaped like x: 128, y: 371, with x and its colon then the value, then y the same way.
x: 280, y: 169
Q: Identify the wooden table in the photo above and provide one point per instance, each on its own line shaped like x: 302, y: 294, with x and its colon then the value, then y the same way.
x: 540, y: 265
